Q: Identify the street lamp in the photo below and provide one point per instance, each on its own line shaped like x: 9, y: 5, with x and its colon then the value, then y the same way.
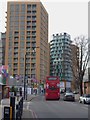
x: 25, y: 77
x: 25, y: 92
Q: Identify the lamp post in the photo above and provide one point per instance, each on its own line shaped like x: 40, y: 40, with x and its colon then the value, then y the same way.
x: 25, y: 77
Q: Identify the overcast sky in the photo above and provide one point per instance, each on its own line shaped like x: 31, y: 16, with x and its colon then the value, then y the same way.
x: 64, y: 16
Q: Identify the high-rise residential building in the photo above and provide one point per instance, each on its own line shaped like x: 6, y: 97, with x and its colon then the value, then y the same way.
x: 27, y: 39
x: 75, y: 65
x: 0, y: 51
x: 2, y: 48
x: 89, y: 60
x: 60, y: 56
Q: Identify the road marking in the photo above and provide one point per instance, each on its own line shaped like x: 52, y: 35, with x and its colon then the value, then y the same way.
x: 85, y: 107
x: 27, y: 107
x: 33, y: 114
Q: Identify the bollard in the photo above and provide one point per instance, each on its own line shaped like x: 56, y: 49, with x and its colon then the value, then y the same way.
x: 19, y: 109
x: 17, y: 98
x: 12, y: 104
x: 10, y: 113
x: 7, y: 113
x: 17, y: 112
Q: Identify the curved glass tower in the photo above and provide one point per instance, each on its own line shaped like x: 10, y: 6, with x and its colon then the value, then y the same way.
x: 60, y: 56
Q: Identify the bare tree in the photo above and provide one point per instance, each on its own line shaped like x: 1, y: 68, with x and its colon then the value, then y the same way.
x: 82, y: 43
x: 75, y: 65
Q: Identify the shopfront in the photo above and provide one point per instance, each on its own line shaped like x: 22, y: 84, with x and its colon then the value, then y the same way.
x: 0, y: 92
x: 3, y: 80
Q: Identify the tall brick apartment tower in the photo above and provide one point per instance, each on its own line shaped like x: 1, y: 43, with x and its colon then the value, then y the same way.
x: 27, y: 29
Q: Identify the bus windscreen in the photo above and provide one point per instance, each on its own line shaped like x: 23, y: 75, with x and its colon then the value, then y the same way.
x: 51, y: 78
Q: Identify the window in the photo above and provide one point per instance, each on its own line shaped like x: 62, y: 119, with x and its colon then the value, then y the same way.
x: 16, y: 33
x: 28, y: 12
x: 16, y: 7
x: 28, y: 23
x: 16, y: 18
x: 28, y: 38
x: 22, y: 18
x: 33, y: 12
x: 28, y: 27
x: 23, y: 7
x: 33, y: 44
x: 16, y: 13
x: 10, y: 44
x: 16, y: 44
x: 28, y: 44
x: 28, y: 17
x: 16, y: 38
x: 22, y: 23
x: 22, y: 44
x: 22, y: 27
x: 33, y: 23
x: 16, y: 27
x: 11, y: 18
x: 33, y: 27
x: 28, y: 7
x: 22, y: 38
x: 28, y: 32
x: 32, y: 75
x: 16, y: 23
x: 22, y: 33
x: 33, y: 32
x: 33, y: 6
x: 33, y: 17
x: 11, y: 7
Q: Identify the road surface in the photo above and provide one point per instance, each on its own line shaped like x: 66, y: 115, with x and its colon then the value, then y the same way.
x: 40, y: 108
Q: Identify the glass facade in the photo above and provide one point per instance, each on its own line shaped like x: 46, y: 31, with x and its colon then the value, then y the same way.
x: 60, y: 56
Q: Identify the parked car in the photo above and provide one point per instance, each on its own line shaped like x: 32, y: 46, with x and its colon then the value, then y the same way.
x: 85, y: 99
x: 69, y: 96
x: 75, y: 92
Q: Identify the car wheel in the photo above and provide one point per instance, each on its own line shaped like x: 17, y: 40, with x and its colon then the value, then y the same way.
x: 63, y: 99
x: 58, y: 99
x: 79, y: 101
x: 84, y: 102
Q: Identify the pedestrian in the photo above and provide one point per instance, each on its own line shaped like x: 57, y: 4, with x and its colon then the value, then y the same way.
x: 41, y: 90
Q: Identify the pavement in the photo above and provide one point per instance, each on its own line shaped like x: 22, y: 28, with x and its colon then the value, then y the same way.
x: 27, y: 113
x: 30, y: 97
x: 0, y: 112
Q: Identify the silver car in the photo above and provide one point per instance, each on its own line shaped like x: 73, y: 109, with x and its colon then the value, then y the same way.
x: 85, y: 99
x: 69, y: 96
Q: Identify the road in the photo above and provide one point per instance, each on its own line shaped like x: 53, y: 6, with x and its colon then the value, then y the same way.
x: 56, y: 109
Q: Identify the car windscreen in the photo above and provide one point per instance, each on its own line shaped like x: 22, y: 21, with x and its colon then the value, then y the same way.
x: 69, y: 93
x: 88, y: 95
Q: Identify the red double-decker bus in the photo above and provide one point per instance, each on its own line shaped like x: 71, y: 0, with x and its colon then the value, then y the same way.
x: 52, y: 90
